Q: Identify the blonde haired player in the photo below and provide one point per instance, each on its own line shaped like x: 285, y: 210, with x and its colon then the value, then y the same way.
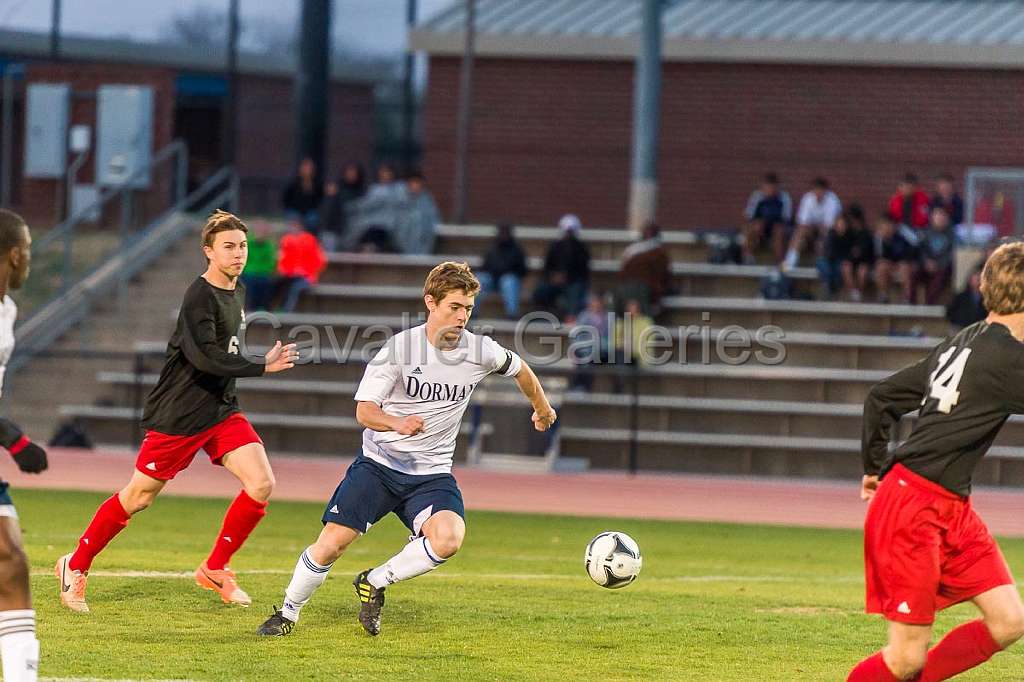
x: 193, y: 407
x: 411, y: 401
x: 925, y: 548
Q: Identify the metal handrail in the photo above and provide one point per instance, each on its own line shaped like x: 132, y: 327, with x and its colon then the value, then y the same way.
x: 174, y: 148
x: 67, y: 309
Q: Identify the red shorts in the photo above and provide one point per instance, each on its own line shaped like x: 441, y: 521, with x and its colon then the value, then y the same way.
x: 925, y: 549
x: 162, y: 456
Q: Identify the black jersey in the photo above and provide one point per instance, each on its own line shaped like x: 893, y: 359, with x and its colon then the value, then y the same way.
x: 965, y: 390
x: 197, y: 385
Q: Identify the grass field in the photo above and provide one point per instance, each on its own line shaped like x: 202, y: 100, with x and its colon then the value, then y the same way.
x: 714, y: 602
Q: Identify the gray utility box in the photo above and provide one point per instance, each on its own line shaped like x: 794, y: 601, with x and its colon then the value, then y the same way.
x: 124, y: 134
x: 46, y: 129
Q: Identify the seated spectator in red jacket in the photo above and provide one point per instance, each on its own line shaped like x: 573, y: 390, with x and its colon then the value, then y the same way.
x: 893, y: 257
x: 947, y: 199
x: 936, y: 252
x: 300, y: 261
x: 909, y: 205
x: 967, y: 307
x: 768, y: 214
x: 646, y: 273
x: 819, y: 209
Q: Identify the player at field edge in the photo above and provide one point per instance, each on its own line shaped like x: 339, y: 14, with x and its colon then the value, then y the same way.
x: 925, y: 548
x: 411, y: 400
x: 193, y: 407
x: 19, y: 647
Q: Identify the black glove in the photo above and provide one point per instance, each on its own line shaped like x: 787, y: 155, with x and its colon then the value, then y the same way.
x: 29, y: 457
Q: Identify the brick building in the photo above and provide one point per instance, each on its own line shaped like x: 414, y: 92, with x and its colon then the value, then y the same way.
x: 857, y: 91
x: 189, y: 92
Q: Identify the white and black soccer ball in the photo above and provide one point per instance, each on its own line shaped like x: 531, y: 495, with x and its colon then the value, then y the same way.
x: 613, y: 559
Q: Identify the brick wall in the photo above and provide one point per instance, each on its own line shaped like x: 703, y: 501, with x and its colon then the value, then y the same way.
x: 554, y: 136
x: 266, y: 147
x: 37, y: 196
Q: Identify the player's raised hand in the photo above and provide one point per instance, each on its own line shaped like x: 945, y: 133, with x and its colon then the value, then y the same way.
x: 543, y: 420
x: 280, y: 358
x: 868, y: 486
x: 410, y: 426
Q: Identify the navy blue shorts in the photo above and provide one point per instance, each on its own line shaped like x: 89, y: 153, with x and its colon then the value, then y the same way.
x: 370, y: 491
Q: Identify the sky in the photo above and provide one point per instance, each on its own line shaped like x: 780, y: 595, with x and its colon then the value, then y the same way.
x: 372, y: 27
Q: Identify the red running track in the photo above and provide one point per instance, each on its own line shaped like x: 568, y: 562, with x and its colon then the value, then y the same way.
x: 656, y: 496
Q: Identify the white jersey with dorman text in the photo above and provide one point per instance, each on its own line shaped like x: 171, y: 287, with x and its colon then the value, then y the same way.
x: 409, y: 376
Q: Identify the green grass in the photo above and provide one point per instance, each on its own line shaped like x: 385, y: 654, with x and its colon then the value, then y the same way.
x: 715, y: 602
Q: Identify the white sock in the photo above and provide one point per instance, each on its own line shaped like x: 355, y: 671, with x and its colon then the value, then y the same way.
x: 792, y: 258
x: 308, y: 576
x: 416, y: 558
x: 19, y: 647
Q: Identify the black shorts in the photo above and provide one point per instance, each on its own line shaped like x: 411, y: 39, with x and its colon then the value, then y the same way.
x: 370, y: 491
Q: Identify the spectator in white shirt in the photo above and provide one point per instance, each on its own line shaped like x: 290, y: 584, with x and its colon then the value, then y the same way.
x: 818, y: 211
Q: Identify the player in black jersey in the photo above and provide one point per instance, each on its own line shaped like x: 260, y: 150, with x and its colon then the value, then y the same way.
x: 18, y: 645
x: 194, y: 407
x: 925, y: 548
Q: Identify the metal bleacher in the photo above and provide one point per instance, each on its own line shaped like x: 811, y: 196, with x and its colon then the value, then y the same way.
x: 800, y: 416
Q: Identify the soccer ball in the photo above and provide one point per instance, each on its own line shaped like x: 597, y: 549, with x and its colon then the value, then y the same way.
x: 613, y: 559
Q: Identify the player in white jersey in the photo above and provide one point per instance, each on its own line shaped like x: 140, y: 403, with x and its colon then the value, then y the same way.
x: 411, y: 401
x: 19, y: 647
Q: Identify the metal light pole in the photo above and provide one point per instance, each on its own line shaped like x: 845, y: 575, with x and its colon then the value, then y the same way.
x: 7, y: 130
x: 230, y: 124
x: 312, y: 82
x: 464, y: 117
x: 408, y: 95
x: 643, y: 188
x: 55, y: 31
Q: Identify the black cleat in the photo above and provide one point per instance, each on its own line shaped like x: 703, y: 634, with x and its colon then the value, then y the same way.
x: 275, y: 626
x: 371, y: 601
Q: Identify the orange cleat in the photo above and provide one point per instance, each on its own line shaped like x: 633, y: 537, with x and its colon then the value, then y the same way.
x: 72, y: 585
x: 222, y: 582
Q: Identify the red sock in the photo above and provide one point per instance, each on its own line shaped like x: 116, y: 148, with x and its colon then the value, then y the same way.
x: 110, y: 519
x: 241, y: 517
x: 872, y: 669
x: 963, y: 648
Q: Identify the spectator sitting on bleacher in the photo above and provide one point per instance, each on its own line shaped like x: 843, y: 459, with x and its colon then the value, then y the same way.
x: 894, y: 256
x: 300, y: 261
x: 909, y: 206
x: 646, y: 273
x: 946, y: 198
x: 337, y: 197
x: 768, y: 214
x: 418, y: 232
x: 936, y: 254
x: 849, y: 256
x: 259, y: 275
x: 303, y: 195
x: 818, y: 211
x: 967, y: 307
x: 503, y: 269
x: 589, y: 337
x: 636, y: 346
x: 384, y: 184
x: 566, y: 277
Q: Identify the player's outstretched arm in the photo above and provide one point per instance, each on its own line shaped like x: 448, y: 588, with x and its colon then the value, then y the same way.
x: 30, y: 457
x: 370, y: 415
x: 543, y: 414
x: 199, y: 344
x: 887, y: 401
